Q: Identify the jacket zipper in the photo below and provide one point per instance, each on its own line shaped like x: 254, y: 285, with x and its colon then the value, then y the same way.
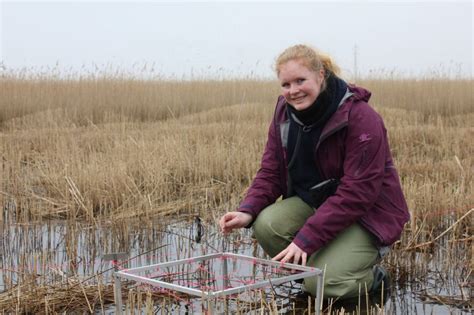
x: 331, y: 132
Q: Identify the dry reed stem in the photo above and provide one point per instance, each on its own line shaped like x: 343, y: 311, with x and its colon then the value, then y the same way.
x: 442, y: 234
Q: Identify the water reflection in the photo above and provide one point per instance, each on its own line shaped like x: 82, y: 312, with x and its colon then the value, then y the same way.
x: 55, y: 251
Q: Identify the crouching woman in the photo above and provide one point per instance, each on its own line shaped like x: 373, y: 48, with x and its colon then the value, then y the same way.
x: 328, y: 156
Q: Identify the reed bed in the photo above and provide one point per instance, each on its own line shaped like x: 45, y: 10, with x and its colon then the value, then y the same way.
x: 57, y: 298
x: 121, y: 152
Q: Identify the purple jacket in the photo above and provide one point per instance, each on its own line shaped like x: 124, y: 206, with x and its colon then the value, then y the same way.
x: 353, y: 147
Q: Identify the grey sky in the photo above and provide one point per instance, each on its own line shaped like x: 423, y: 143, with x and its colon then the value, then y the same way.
x: 235, y: 38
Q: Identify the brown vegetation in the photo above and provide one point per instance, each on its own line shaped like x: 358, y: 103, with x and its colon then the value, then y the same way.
x: 118, y: 149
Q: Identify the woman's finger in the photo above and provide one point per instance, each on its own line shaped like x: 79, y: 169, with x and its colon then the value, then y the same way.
x: 288, y: 256
x: 303, y: 259
x: 226, y: 221
x: 234, y: 222
x: 280, y: 254
x: 222, y: 222
x: 296, y: 258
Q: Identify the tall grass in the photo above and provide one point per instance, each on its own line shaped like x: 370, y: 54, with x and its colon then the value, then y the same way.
x: 111, y: 100
x: 95, y: 148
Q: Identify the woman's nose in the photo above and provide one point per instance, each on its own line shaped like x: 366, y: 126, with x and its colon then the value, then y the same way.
x: 294, y: 90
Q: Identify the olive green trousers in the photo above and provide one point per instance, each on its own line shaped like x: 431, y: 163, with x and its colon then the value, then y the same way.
x: 347, y: 260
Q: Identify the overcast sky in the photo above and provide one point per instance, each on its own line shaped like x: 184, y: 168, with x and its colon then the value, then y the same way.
x: 237, y: 38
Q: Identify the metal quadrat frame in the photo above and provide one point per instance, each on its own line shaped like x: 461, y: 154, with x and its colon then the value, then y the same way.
x: 211, y: 296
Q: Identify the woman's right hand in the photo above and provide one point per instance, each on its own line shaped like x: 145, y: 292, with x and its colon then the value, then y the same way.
x: 234, y: 220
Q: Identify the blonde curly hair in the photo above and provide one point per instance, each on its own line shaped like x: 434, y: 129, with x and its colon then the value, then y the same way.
x: 310, y: 57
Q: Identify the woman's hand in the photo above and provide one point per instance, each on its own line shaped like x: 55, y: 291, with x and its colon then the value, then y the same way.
x: 292, y: 254
x: 234, y: 220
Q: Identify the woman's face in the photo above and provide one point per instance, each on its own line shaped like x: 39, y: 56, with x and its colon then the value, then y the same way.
x: 300, y: 85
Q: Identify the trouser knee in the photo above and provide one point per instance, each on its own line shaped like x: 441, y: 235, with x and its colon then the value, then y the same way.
x: 347, y: 261
x: 277, y: 225
x: 271, y: 236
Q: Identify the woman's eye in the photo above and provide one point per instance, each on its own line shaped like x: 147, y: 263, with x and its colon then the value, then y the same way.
x: 285, y: 85
x: 299, y: 81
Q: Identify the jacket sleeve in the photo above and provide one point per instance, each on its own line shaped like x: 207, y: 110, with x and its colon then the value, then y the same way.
x: 361, y: 183
x: 266, y: 187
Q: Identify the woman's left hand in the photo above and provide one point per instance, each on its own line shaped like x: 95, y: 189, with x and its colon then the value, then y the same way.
x: 292, y: 254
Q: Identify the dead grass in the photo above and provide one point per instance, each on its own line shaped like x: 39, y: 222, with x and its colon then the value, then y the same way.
x: 92, y: 149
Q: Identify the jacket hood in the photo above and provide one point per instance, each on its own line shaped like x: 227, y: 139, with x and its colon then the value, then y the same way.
x: 359, y: 93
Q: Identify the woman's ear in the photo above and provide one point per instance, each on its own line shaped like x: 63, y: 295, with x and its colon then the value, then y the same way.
x: 325, y: 73
x: 320, y: 75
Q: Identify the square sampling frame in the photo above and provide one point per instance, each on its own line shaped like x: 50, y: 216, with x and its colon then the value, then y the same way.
x: 209, y: 285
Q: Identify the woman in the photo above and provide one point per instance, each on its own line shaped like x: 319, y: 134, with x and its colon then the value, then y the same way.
x: 327, y: 154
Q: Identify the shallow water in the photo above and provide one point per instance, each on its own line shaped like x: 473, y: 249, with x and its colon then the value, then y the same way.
x: 54, y: 251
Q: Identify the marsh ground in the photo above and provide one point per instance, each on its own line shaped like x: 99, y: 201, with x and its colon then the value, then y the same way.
x: 94, y: 166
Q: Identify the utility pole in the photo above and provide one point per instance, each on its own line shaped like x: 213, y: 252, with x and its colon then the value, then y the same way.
x: 356, y: 74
